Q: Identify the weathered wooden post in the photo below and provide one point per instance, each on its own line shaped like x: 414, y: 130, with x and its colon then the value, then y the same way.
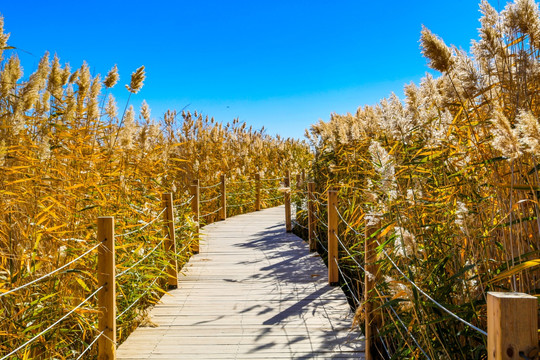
x: 170, y: 242
x: 223, y: 211
x: 298, y: 197
x: 257, y: 191
x: 287, y: 201
x: 107, y: 295
x: 195, y: 210
x: 333, y: 272
x: 512, y: 321
x: 370, y: 258
x: 311, y: 217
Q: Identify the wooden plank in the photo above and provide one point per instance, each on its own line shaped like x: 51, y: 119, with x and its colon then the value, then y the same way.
x: 253, y: 292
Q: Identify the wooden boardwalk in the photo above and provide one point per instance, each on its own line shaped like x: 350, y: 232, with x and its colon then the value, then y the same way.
x: 253, y: 292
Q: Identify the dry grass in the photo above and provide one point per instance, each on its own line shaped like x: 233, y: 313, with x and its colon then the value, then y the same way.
x: 451, y: 174
x: 67, y: 157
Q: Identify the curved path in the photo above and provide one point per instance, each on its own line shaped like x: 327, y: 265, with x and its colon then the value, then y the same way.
x: 253, y: 292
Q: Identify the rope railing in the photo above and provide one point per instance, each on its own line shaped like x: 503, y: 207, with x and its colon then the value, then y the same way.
x: 185, y: 203
x: 251, y: 190
x: 321, y: 243
x: 90, y: 345
x: 247, y: 192
x: 144, y: 226
x: 50, y: 273
x: 346, y: 283
x: 141, y: 296
x: 344, y: 277
x: 211, y: 213
x: 185, y: 247
x: 52, y: 326
x: 271, y: 189
x: 274, y: 198
x: 210, y: 200
x: 236, y: 182
x: 320, y: 220
x: 141, y: 259
x: 315, y: 202
x: 296, y: 223
x: 209, y: 186
x: 273, y: 179
x: 413, y: 283
x: 240, y: 205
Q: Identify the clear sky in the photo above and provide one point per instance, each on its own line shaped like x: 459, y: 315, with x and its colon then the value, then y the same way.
x: 282, y: 64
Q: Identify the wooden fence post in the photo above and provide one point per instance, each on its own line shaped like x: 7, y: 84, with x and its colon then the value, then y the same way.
x: 299, y: 186
x: 257, y: 191
x: 512, y: 321
x: 107, y: 295
x: 311, y: 217
x: 370, y: 258
x: 170, y: 242
x: 287, y: 201
x: 333, y: 273
x: 223, y: 212
x: 195, y: 210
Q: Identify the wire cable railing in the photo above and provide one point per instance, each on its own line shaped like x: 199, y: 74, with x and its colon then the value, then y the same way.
x: 53, y: 325
x: 50, y: 273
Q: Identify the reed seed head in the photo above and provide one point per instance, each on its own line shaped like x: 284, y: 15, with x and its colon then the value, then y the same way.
x: 112, y: 77
x: 137, y: 79
x: 436, y: 51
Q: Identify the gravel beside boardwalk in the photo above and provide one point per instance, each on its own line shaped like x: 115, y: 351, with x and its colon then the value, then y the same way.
x: 253, y: 292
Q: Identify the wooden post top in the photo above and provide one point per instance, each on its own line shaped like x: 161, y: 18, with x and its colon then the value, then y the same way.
x: 510, y: 295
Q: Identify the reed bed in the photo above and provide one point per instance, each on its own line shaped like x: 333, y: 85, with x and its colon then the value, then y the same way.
x: 449, y: 177
x: 67, y: 156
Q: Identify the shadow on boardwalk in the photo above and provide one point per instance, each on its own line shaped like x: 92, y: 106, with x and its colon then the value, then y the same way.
x: 253, y: 292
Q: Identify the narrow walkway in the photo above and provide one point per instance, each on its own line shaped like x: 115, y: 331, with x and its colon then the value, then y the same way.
x: 253, y: 292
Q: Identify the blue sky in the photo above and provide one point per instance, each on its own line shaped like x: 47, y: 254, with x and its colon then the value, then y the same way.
x: 279, y: 64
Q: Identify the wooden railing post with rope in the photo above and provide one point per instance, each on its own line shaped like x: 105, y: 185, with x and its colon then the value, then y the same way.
x: 107, y: 296
x: 257, y: 191
x: 311, y: 217
x: 195, y: 209
x: 333, y: 272
x: 370, y: 257
x: 223, y: 199
x: 170, y: 243
x: 287, y: 201
x: 298, y: 201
